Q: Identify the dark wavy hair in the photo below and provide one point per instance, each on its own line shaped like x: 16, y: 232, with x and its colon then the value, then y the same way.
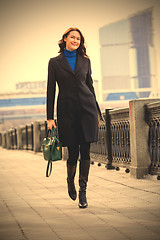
x: 62, y: 44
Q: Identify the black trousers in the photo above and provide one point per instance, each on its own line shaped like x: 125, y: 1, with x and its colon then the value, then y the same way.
x: 73, y: 153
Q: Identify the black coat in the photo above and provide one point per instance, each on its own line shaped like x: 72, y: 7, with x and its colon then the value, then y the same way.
x: 74, y: 87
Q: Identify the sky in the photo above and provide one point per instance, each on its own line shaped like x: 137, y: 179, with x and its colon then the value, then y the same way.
x: 30, y: 31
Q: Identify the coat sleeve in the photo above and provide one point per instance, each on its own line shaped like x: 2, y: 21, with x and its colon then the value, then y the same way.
x: 89, y: 83
x: 51, y: 89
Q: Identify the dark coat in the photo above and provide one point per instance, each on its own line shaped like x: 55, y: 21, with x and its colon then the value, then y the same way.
x: 74, y: 87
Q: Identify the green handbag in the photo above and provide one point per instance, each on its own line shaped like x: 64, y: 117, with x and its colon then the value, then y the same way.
x: 52, y: 149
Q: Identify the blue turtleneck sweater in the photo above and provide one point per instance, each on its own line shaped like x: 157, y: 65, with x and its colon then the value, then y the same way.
x: 71, y: 58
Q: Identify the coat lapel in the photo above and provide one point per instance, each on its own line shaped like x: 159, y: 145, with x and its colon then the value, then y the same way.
x: 79, y: 63
x: 65, y: 65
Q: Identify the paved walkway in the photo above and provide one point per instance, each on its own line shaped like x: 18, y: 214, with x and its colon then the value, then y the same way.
x: 37, y: 208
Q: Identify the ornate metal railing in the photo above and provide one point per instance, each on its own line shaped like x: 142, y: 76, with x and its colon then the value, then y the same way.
x: 120, y: 132
x: 113, y: 146
x: 152, y: 111
x: 114, y: 138
x: 99, y: 149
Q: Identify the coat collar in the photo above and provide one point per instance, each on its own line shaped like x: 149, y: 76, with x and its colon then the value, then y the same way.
x: 64, y: 63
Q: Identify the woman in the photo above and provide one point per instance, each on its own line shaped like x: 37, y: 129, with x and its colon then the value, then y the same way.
x: 76, y: 107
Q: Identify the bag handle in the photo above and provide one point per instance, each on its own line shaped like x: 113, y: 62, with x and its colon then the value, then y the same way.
x: 55, y: 132
x: 51, y: 132
x: 49, y: 168
x: 47, y: 132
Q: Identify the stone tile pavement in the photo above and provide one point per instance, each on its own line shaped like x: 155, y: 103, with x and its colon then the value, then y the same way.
x: 37, y: 208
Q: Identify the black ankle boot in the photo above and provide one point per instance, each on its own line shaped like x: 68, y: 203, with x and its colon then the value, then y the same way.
x: 83, y: 179
x: 82, y: 195
x: 71, y: 171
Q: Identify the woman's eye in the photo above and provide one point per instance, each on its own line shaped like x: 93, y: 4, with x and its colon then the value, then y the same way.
x: 78, y: 39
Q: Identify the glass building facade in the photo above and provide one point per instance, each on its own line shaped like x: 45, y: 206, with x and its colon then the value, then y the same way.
x: 126, y: 55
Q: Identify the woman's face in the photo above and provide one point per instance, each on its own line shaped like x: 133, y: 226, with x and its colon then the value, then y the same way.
x: 73, y: 40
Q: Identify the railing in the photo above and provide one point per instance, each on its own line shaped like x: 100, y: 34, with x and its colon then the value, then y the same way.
x: 0, y: 139
x: 43, y: 130
x: 118, y: 144
x: 4, y: 140
x: 13, y: 136
x: 99, y: 148
x: 153, y: 120
x: 26, y: 137
x: 120, y: 132
x: 29, y: 137
x: 114, y: 139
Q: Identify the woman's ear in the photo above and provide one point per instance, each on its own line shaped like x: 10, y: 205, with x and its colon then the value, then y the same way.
x: 64, y: 38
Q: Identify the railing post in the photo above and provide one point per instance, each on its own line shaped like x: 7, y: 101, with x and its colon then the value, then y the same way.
x: 36, y: 136
x: 0, y: 139
x: 19, y: 137
x: 108, y: 139
x: 12, y: 139
x: 15, y: 134
x: 139, y: 129
x: 26, y: 137
x: 32, y: 142
x: 8, y: 138
x: 64, y: 153
x: 4, y: 140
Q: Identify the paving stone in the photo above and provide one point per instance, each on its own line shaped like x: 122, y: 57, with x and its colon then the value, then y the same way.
x: 36, y: 208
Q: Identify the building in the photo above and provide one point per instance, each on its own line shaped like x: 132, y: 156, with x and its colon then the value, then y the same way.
x: 25, y: 105
x: 128, y: 58
x: 35, y: 85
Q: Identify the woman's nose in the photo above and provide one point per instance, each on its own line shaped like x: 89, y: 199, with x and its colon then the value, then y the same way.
x: 75, y: 40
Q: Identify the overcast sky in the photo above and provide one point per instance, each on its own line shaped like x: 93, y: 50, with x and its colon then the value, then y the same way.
x: 30, y: 31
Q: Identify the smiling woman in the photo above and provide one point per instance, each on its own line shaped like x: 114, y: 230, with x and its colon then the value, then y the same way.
x: 72, y: 40
x: 77, y: 108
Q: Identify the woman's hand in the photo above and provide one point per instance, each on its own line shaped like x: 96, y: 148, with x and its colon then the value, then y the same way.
x: 51, y: 123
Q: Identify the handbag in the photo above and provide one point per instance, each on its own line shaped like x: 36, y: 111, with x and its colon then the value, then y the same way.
x: 52, y: 149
